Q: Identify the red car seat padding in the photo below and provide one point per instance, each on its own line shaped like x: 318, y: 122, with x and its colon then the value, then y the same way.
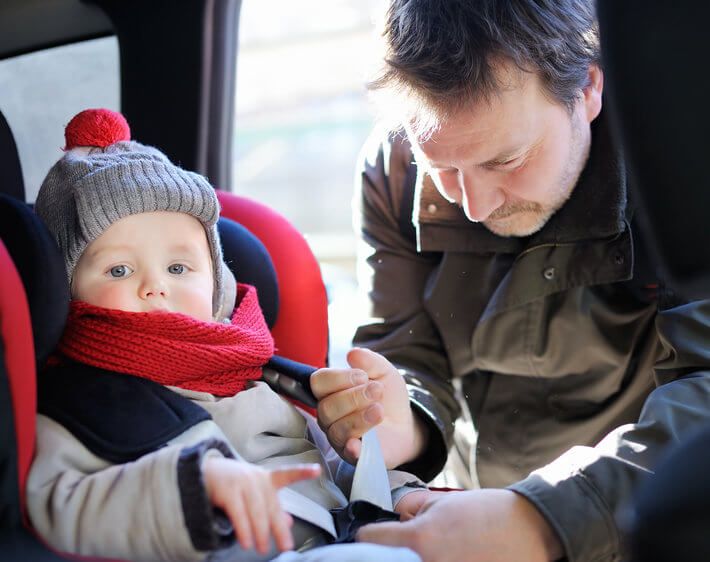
x: 19, y: 355
x: 302, y: 296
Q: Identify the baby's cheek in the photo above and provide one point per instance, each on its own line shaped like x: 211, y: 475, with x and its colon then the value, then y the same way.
x: 112, y: 295
x: 197, y: 302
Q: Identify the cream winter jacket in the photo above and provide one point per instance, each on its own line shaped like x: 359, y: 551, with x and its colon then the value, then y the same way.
x: 84, y: 504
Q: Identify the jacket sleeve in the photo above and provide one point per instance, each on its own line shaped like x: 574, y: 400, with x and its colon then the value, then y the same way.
x: 148, y: 509
x: 395, y: 277
x: 586, y: 491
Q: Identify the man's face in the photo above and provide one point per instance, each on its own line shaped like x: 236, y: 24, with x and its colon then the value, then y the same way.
x: 513, y: 161
x: 147, y: 262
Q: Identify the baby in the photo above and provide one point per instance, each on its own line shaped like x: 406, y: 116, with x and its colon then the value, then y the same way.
x: 154, y: 439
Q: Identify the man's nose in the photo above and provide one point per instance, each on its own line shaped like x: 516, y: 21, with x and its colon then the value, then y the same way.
x: 153, y: 285
x: 479, y: 198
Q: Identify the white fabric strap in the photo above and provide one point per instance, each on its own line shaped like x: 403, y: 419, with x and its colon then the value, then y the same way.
x: 370, y: 481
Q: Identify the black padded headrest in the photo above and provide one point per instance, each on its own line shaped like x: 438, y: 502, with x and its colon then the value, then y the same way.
x: 11, y: 181
x: 251, y: 263
x: 41, y: 267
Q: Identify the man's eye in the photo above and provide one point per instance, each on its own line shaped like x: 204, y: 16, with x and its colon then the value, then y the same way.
x: 119, y: 271
x: 176, y: 269
x: 510, y: 164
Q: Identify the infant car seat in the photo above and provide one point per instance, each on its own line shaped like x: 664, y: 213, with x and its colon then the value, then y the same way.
x: 260, y: 246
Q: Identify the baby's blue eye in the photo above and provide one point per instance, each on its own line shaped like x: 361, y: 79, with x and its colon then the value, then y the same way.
x: 176, y: 269
x: 118, y: 271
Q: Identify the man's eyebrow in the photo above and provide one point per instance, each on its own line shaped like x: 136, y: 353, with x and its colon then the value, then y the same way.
x: 504, y: 157
x: 501, y: 158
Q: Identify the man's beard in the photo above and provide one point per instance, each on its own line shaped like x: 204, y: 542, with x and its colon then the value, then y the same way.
x: 522, y: 219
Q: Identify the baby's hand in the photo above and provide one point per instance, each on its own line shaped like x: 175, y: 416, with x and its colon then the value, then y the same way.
x: 247, y: 494
x: 416, y: 502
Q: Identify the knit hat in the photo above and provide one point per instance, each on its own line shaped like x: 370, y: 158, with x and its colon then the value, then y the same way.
x: 104, y: 176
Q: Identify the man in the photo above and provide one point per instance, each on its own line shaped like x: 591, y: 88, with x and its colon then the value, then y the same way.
x: 509, y: 287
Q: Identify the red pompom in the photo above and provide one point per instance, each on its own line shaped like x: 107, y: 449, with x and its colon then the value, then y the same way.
x: 96, y: 127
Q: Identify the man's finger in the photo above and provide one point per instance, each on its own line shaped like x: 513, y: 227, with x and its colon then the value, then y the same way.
x: 352, y: 449
x: 343, y: 403
x: 355, y: 425
x: 281, y: 477
x: 390, y: 534
x: 327, y: 381
x: 374, y: 364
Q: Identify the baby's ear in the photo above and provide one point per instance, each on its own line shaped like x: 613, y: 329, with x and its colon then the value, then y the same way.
x: 229, y: 295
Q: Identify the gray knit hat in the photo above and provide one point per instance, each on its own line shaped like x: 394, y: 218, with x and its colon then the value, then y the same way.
x: 107, y: 177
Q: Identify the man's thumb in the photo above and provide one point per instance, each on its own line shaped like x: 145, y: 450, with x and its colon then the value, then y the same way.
x: 369, y: 361
x: 390, y: 534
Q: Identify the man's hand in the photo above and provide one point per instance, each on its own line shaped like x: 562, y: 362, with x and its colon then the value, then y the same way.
x: 478, y: 525
x: 371, y: 393
x: 247, y: 494
x: 411, y: 504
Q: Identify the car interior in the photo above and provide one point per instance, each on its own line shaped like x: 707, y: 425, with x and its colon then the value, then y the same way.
x: 181, y: 99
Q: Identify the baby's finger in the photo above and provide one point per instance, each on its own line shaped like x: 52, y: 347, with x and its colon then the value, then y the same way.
x: 255, y: 499
x: 280, y: 522
x: 327, y: 381
x: 281, y: 477
x: 242, y: 527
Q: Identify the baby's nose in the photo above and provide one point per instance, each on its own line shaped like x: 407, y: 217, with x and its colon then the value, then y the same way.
x: 153, y: 287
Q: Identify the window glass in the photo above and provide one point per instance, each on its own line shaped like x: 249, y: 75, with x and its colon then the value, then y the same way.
x: 40, y: 92
x: 302, y: 116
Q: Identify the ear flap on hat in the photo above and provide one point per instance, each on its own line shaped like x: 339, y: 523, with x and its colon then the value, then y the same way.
x: 229, y: 295
x: 248, y: 256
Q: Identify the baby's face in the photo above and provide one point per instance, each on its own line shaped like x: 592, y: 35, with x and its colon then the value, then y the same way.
x: 146, y: 262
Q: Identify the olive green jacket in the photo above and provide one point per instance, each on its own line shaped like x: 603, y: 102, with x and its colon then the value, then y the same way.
x: 552, y: 347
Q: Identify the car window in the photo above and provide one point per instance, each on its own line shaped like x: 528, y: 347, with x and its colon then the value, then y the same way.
x: 40, y: 92
x: 302, y: 115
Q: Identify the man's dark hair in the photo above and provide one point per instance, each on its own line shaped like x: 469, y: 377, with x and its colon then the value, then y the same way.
x: 443, y: 52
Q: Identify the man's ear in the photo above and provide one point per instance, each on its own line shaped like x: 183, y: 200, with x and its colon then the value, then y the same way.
x: 593, y: 93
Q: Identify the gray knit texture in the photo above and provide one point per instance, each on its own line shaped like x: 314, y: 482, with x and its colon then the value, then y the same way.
x: 86, y: 191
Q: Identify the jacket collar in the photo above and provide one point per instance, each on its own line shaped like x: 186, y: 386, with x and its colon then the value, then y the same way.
x: 595, y: 210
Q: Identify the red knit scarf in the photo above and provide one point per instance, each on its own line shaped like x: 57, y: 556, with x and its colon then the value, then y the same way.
x: 173, y: 349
